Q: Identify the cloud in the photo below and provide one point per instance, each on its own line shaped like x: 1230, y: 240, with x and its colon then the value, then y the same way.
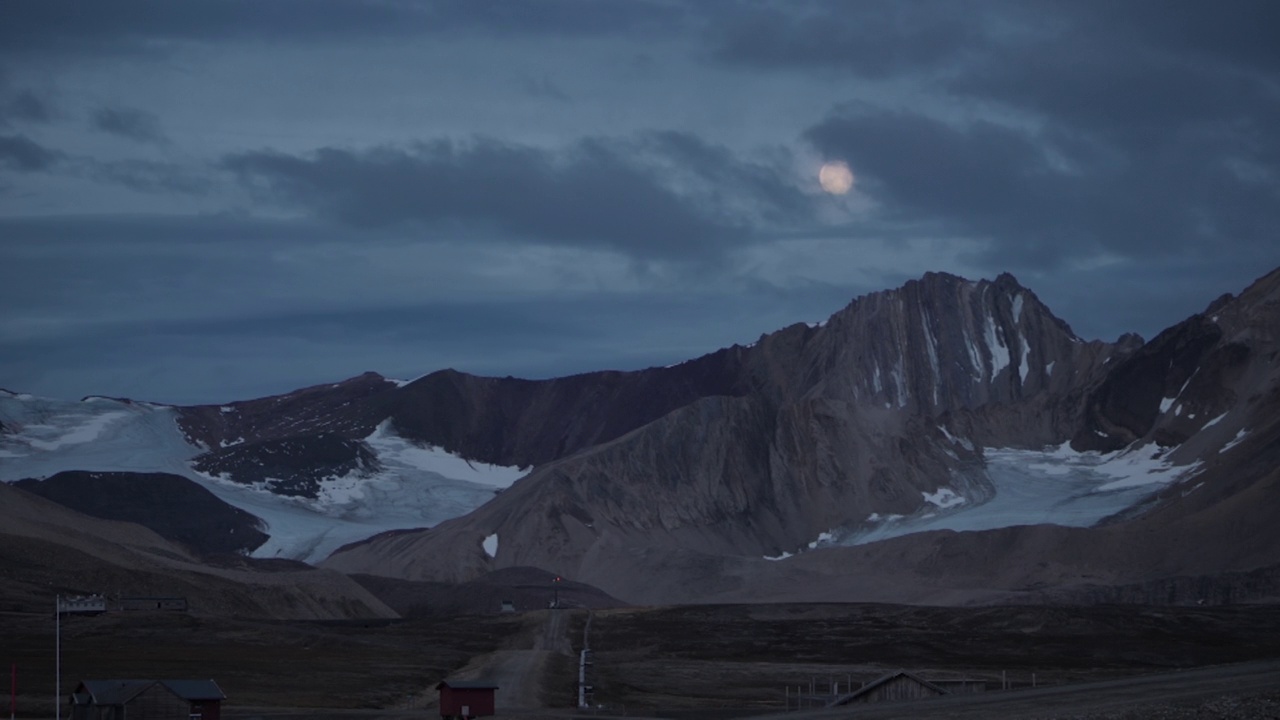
x: 19, y: 153
x: 136, y: 125
x: 150, y: 231
x: 1045, y: 195
x: 151, y: 26
x: 542, y: 87
x: 210, y: 308
x: 874, y: 40
x: 65, y: 26
x: 658, y: 195
x: 24, y: 106
x: 149, y: 177
x: 1125, y: 86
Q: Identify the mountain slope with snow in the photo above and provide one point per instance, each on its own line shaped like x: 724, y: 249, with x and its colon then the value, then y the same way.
x: 406, y: 487
x: 945, y: 408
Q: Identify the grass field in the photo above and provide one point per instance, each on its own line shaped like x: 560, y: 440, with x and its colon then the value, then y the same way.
x: 737, y: 658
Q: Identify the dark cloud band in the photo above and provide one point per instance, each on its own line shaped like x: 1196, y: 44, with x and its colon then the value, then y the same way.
x: 617, y: 194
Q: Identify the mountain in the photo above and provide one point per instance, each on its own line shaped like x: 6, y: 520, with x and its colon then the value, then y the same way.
x: 952, y: 439
x: 880, y: 431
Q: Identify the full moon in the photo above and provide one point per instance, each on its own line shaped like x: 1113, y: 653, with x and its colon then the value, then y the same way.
x: 836, y: 177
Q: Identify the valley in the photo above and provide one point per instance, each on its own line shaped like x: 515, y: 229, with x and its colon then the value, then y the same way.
x: 675, y: 662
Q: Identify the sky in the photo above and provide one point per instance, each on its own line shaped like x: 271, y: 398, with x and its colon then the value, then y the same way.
x: 211, y: 200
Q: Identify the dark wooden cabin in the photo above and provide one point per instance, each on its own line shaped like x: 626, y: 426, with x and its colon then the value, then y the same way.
x: 465, y: 700
x: 900, y: 685
x: 147, y: 700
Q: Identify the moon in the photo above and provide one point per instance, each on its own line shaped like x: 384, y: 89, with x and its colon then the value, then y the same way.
x: 836, y: 177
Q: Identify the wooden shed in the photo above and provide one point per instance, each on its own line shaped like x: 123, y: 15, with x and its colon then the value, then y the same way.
x: 899, y: 685
x: 147, y: 700
x: 465, y: 700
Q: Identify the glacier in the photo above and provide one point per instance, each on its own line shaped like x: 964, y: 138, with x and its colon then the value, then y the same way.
x: 1055, y: 485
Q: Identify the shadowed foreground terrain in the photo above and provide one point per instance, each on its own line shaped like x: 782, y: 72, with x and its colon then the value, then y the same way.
x: 708, y: 661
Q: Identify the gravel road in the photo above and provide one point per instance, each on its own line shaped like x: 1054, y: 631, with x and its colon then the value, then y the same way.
x: 519, y: 672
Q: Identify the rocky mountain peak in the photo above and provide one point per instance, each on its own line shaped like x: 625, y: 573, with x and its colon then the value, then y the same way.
x: 943, y: 343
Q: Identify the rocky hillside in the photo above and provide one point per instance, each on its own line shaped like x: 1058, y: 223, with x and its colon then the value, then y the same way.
x: 46, y: 548
x: 176, y: 508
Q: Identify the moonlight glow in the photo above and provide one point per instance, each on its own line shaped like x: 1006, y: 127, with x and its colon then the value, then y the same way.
x: 835, y: 177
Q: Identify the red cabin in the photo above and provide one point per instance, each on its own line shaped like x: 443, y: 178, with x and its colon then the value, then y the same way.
x: 465, y: 700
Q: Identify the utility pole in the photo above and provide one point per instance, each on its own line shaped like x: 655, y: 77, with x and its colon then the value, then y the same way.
x: 57, y: 634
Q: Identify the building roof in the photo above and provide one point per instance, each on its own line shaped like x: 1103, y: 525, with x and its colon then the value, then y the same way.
x: 119, y: 692
x: 195, y: 689
x: 466, y: 685
x: 113, y: 692
x: 848, y: 697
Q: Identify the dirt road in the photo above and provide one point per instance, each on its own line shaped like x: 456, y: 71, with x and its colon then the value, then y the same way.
x: 519, y: 672
x: 1049, y: 703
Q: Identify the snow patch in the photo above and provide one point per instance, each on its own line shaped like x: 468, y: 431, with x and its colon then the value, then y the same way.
x: 399, y: 451
x: 401, y: 383
x: 974, y: 356
x: 900, y: 384
x: 1166, y: 403
x: 995, y: 344
x: 1234, y: 441
x: 490, y: 545
x: 783, y: 556
x: 943, y: 498
x: 1022, y: 363
x: 931, y: 346
x: 823, y: 539
x: 962, y: 442
x: 1017, y: 307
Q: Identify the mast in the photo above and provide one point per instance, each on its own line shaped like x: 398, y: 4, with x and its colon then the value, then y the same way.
x: 57, y: 624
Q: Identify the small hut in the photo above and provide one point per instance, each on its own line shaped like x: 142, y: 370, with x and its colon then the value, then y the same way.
x: 465, y: 700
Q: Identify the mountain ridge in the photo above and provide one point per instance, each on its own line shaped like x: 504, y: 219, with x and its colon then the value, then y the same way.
x: 872, y: 428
